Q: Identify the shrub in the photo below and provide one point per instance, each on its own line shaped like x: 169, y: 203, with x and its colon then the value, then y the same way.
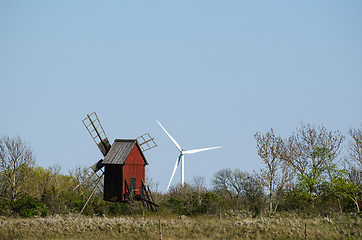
x: 117, y: 208
x: 296, y: 199
x: 29, y: 207
x: 212, y: 203
x: 175, y: 205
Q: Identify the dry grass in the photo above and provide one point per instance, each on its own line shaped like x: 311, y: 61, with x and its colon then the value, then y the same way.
x: 204, y: 227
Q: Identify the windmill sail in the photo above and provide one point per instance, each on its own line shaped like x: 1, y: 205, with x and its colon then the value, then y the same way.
x: 95, y: 129
x: 146, y: 142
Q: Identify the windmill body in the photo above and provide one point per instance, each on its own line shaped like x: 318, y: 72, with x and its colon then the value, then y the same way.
x: 123, y: 166
x: 124, y: 170
x: 181, y: 158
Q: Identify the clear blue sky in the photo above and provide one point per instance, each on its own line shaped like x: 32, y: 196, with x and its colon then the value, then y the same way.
x: 212, y: 72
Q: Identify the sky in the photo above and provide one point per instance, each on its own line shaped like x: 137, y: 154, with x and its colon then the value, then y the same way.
x: 212, y: 72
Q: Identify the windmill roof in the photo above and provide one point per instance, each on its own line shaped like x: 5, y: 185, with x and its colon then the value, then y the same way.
x: 120, y: 150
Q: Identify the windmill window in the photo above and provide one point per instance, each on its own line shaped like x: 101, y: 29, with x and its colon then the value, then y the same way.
x: 132, y: 184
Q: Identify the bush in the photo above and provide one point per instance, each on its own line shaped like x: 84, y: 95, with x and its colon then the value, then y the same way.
x: 117, y: 208
x: 175, y: 205
x: 296, y: 199
x: 29, y: 207
x: 212, y: 203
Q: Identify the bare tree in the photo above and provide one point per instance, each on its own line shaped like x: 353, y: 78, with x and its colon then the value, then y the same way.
x: 355, y: 148
x: 354, y: 159
x: 150, y: 182
x: 353, y: 183
x: 199, y: 183
x: 83, y: 181
x: 275, y: 174
x: 239, y: 187
x: 229, y: 182
x: 253, y: 193
x: 16, y: 162
x: 311, y: 152
x: 199, y: 188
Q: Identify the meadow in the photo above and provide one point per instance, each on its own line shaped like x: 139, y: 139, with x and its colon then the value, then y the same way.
x: 225, y: 226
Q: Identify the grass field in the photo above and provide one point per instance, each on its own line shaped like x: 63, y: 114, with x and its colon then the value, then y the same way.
x: 173, y: 227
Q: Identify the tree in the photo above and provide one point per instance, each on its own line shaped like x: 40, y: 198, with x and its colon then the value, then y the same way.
x: 275, y: 174
x: 240, y: 187
x: 350, y: 184
x: 51, y: 187
x: 227, y: 181
x: 355, y: 149
x: 344, y: 187
x: 16, y: 162
x: 311, y: 152
x: 199, y: 189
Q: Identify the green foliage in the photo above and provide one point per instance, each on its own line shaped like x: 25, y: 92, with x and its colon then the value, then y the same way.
x: 177, y: 206
x: 28, y: 207
x: 212, y: 203
x: 309, y: 185
x: 312, y: 181
x: 296, y: 199
x: 345, y: 189
x: 193, y: 202
x: 342, y: 186
x: 52, y: 193
x: 254, y: 195
x: 116, y: 209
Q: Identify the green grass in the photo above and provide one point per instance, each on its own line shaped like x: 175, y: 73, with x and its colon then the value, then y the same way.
x: 173, y: 227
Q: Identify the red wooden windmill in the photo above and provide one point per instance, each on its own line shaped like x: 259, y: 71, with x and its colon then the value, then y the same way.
x: 123, y: 166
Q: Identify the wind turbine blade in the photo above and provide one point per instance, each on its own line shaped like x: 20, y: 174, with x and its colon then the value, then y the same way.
x: 174, y: 170
x: 200, y: 150
x: 173, y: 140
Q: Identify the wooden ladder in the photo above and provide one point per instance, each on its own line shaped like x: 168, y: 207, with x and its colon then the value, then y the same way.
x: 147, y: 199
x: 145, y: 196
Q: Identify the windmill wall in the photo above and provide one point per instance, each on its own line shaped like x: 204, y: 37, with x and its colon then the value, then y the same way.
x: 113, y: 179
x: 124, y: 162
x: 134, y: 167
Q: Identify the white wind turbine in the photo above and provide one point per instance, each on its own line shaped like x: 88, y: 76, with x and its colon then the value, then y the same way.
x: 181, y: 157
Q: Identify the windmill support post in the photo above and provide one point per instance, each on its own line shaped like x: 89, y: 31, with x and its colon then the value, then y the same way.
x: 147, y: 197
x: 94, y: 190
x: 85, y: 179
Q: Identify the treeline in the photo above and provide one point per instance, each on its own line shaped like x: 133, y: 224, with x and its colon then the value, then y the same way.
x: 307, y: 169
x: 306, y: 172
